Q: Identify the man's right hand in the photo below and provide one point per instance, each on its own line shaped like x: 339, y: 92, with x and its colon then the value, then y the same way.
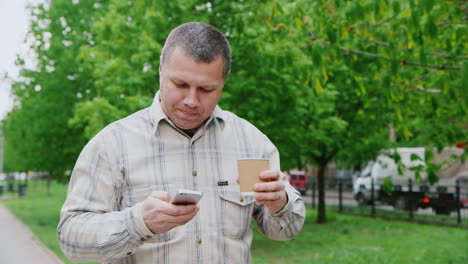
x: 161, y: 216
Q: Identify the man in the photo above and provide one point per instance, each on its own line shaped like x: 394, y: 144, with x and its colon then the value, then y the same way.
x: 118, y: 210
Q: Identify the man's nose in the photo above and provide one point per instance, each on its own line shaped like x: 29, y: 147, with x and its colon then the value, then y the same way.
x: 191, y: 98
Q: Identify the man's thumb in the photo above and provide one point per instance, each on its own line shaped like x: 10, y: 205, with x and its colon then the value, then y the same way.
x: 161, y: 195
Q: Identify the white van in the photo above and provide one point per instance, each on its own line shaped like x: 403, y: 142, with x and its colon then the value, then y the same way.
x: 390, y: 181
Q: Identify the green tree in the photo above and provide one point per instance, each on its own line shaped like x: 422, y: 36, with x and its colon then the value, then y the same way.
x: 368, y: 64
x: 123, y: 60
x: 37, y: 135
x: 323, y: 79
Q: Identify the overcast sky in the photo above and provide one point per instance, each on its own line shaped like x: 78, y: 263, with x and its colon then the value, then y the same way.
x: 13, y: 28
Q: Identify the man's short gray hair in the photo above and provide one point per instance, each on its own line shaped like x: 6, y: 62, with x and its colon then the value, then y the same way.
x: 203, y: 42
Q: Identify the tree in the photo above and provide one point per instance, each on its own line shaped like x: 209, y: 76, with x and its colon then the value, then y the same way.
x: 364, y: 65
x: 37, y: 135
x: 323, y: 79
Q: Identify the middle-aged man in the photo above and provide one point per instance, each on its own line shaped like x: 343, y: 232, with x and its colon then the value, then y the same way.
x: 117, y: 208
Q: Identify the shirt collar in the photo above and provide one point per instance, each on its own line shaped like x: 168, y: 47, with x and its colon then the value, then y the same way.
x: 157, y: 114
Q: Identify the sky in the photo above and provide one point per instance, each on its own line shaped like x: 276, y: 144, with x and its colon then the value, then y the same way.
x: 13, y: 27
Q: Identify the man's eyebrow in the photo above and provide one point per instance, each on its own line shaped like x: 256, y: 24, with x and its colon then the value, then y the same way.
x: 208, y: 86
x: 173, y: 78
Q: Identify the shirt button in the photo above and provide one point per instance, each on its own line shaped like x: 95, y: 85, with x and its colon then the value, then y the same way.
x: 142, y: 239
x: 241, y: 200
x: 194, y: 173
x: 148, y: 237
x: 199, y: 241
x: 129, y: 253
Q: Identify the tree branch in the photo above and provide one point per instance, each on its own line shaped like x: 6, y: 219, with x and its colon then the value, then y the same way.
x: 423, y: 77
x: 380, y: 23
x: 422, y: 89
x: 439, y: 67
x: 453, y: 23
x: 436, y: 54
x: 375, y: 55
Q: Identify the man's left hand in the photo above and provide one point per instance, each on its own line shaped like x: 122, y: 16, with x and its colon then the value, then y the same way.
x: 271, y: 193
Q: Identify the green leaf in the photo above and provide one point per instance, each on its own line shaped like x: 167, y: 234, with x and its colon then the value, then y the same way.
x: 318, y: 86
x: 299, y: 22
x: 407, y: 133
x: 324, y: 74
x: 385, y: 82
x: 414, y: 157
x: 388, y: 185
x: 422, y: 56
x: 331, y: 34
x: 417, y: 175
x: 396, y: 7
x: 399, y: 115
x: 316, y: 54
x: 464, y: 74
x: 395, y: 65
x: 432, y: 173
x: 428, y: 4
x: 431, y: 28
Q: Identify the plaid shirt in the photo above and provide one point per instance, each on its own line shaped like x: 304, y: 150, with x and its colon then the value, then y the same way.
x: 102, y: 219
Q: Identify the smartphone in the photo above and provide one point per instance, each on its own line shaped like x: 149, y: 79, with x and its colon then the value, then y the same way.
x: 183, y: 197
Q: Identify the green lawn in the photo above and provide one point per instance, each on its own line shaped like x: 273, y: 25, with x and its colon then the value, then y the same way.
x: 344, y: 239
x: 355, y: 239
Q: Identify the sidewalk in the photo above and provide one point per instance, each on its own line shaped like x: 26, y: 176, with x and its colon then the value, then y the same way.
x: 18, y: 245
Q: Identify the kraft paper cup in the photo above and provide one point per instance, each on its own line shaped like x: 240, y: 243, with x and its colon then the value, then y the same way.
x: 249, y: 173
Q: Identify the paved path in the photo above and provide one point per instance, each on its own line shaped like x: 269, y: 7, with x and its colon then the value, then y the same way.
x: 18, y: 245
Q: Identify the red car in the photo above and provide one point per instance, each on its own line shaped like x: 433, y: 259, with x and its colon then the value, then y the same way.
x: 298, y: 180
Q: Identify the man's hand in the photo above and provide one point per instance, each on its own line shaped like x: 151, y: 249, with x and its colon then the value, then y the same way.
x: 271, y: 193
x: 161, y: 216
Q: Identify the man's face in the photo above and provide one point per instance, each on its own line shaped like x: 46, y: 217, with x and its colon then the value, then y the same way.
x: 189, y: 90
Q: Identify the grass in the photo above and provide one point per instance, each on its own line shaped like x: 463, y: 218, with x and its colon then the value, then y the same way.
x: 355, y: 239
x: 404, y: 215
x: 343, y: 239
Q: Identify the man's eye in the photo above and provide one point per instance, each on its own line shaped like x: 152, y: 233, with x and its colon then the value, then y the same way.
x: 181, y: 85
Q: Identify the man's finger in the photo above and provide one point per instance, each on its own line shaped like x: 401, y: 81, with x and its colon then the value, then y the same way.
x: 268, y: 197
x: 181, y: 219
x: 268, y: 187
x: 165, y: 196
x: 269, y: 175
x: 181, y: 210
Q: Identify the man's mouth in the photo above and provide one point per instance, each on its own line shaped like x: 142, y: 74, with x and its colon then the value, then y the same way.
x: 188, y: 113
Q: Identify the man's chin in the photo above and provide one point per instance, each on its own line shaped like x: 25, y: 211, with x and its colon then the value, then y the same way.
x: 187, y: 127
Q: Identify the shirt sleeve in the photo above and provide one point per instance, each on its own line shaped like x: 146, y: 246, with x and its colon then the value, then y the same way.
x: 92, y: 225
x: 286, y: 223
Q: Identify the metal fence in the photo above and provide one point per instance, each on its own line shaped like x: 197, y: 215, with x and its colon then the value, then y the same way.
x: 417, y: 206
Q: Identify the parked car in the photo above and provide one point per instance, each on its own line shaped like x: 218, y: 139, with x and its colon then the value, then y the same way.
x: 298, y: 179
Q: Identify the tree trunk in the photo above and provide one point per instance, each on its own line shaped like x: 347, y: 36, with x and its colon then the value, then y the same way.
x: 321, y: 212
x: 49, y: 179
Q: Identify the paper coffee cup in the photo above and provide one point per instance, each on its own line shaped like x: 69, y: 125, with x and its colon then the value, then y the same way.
x: 249, y: 173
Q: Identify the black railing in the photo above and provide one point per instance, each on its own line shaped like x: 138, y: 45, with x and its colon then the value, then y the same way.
x: 446, y: 204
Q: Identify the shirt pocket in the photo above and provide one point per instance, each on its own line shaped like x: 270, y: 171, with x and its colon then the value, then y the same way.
x: 237, y: 211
